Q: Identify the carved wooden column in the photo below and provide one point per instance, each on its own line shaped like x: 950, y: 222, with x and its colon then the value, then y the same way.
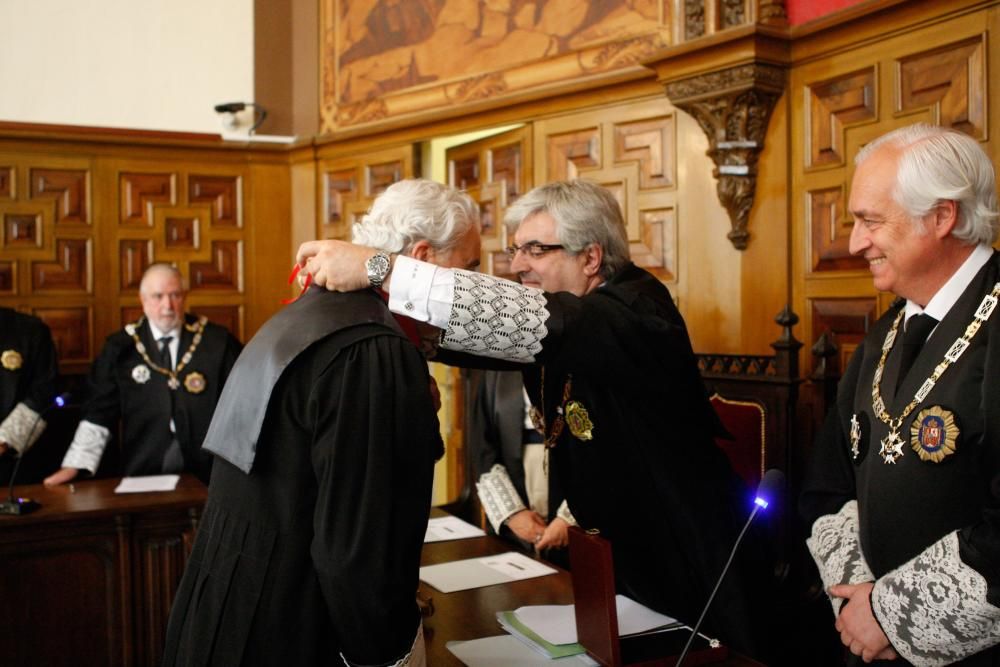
x: 733, y: 107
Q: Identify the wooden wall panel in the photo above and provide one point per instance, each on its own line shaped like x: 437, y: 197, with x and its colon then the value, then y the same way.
x: 631, y: 150
x: 349, y: 184
x: 494, y: 171
x: 933, y: 72
x: 80, y: 222
x: 676, y: 229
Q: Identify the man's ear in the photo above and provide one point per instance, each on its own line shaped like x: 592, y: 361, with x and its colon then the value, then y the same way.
x: 944, y: 217
x: 594, y: 254
x: 422, y: 250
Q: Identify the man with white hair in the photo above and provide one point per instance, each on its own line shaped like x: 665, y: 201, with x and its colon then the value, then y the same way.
x: 904, y: 492
x: 160, y: 377
x: 619, y: 401
x: 325, y: 441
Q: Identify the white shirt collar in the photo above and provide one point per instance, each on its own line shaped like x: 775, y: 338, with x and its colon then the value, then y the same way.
x: 941, y: 303
x: 157, y: 334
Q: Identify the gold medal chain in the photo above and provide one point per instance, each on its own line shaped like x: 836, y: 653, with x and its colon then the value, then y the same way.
x: 185, y: 360
x: 983, y: 313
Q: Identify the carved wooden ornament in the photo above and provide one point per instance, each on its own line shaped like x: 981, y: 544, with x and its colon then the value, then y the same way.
x: 733, y: 107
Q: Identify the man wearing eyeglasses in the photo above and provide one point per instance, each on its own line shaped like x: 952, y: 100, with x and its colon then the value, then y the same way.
x: 609, y: 366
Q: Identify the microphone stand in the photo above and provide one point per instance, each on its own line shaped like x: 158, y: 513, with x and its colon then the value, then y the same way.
x: 732, y: 554
x: 770, y: 486
x: 18, y: 506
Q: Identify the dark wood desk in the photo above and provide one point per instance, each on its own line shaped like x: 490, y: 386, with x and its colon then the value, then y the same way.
x: 88, y: 579
x: 471, y: 614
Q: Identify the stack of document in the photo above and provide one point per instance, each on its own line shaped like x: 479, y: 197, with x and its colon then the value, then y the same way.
x: 551, y: 629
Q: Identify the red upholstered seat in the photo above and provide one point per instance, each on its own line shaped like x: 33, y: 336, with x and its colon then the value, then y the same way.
x: 746, y: 421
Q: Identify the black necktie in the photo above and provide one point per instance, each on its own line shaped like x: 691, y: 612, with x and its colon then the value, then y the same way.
x: 918, y: 328
x: 165, y: 359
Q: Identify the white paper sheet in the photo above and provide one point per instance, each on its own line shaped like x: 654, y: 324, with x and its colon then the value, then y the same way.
x: 556, y: 624
x: 461, y: 575
x: 444, y: 528
x: 506, y: 651
x: 148, y: 483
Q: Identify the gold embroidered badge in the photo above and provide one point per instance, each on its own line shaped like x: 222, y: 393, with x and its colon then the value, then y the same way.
x: 195, y: 382
x: 11, y: 359
x: 934, y: 434
x: 578, y: 421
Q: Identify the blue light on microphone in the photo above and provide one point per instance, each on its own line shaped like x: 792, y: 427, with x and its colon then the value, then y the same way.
x: 60, y: 401
x: 760, y: 502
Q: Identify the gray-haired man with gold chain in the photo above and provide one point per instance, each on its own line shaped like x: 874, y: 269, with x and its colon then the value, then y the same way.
x: 161, y: 376
x: 904, y: 494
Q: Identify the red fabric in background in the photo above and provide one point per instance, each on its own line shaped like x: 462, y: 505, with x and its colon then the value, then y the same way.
x: 801, y: 11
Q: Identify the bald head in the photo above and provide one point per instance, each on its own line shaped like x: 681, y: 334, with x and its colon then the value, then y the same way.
x: 162, y: 294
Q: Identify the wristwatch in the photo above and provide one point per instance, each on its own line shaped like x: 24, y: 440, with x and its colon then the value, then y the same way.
x: 378, y: 267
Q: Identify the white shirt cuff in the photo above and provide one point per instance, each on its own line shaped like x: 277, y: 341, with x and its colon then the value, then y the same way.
x: 87, y: 448
x: 498, y: 496
x: 421, y: 291
x: 21, y: 428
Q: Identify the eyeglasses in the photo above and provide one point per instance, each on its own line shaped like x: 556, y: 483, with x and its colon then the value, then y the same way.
x: 532, y: 249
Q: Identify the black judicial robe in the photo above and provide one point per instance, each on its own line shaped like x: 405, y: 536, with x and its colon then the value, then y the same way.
x: 907, y: 506
x: 145, y: 408
x: 33, y: 381
x: 310, y: 543
x: 651, y: 477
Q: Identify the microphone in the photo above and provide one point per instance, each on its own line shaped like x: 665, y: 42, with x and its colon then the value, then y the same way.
x: 25, y: 505
x: 770, y: 487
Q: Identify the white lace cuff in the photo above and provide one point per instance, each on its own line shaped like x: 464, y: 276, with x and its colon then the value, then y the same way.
x: 417, y: 657
x: 498, y: 496
x: 492, y: 317
x: 22, y: 428
x: 87, y: 448
x: 836, y: 548
x: 564, y: 514
x: 933, y: 608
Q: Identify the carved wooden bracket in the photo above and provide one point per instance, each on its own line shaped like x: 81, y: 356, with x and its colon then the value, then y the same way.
x: 733, y: 107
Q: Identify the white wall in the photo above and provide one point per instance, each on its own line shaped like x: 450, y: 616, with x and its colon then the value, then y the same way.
x: 147, y: 64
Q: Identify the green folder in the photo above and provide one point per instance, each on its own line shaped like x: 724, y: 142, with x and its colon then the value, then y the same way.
x: 508, y: 621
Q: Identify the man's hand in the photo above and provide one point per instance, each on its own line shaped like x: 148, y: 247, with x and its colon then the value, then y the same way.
x: 556, y: 535
x: 527, y: 525
x: 3, y: 448
x: 859, y: 631
x: 337, y: 265
x: 61, y: 476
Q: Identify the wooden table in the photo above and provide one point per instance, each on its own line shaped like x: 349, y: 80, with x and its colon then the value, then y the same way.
x: 88, y: 578
x: 471, y: 614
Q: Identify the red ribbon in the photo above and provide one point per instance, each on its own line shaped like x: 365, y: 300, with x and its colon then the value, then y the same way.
x: 305, y: 284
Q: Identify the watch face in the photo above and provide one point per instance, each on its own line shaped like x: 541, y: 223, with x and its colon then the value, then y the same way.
x: 378, y: 268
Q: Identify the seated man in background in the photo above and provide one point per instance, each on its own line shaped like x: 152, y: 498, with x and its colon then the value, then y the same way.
x: 27, y: 383
x: 161, y: 377
x: 326, y: 438
x: 626, y: 417
x: 508, y: 462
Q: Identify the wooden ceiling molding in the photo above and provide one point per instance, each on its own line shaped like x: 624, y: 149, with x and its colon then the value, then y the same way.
x: 730, y: 89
